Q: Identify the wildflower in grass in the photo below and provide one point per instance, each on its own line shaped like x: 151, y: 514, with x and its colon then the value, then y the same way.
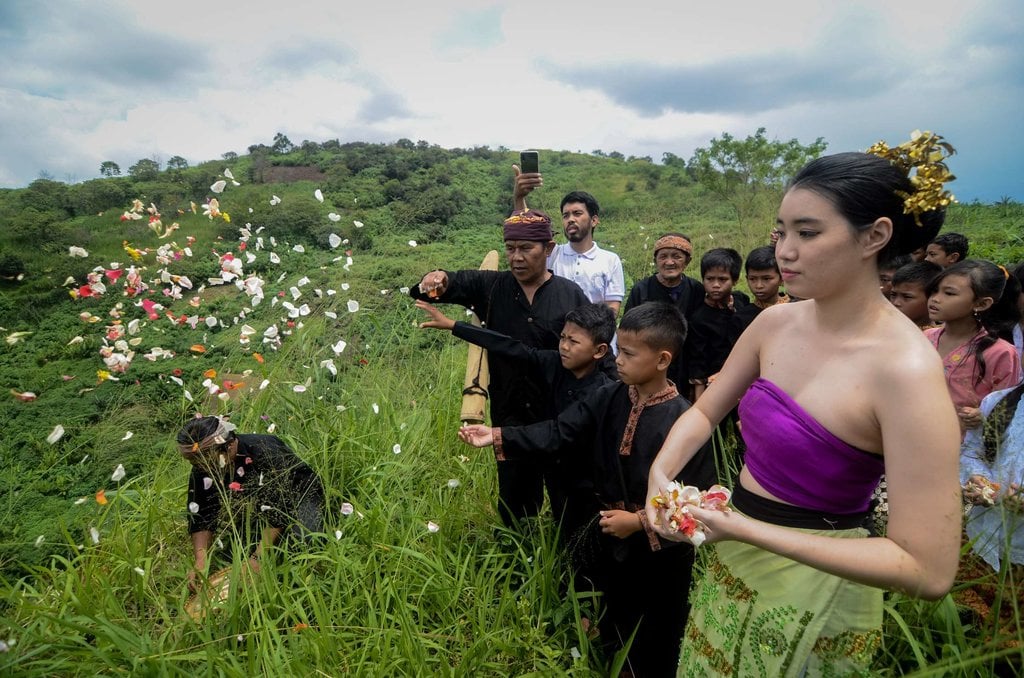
x: 101, y: 497
x: 95, y: 534
x: 357, y: 224
x: 39, y: 540
x: 118, y: 474
x: 412, y: 243
x: 453, y: 483
x: 197, y: 348
x: 318, y: 194
x: 432, y: 527
x: 396, y: 448
x: 76, y: 251
x: 139, y: 571
x: 25, y: 397
x: 346, y: 509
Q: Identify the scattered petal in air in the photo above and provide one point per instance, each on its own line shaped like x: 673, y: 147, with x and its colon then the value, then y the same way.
x: 265, y: 383
x: 329, y: 366
x: 299, y: 248
x: 274, y: 259
x: 258, y: 358
x: 197, y: 348
x: 299, y: 388
x: 207, y: 482
x: 334, y: 216
x: 39, y: 540
x: 345, y: 286
x: 118, y: 475
x: 188, y: 396
x: 337, y: 534
x: 339, y: 347
x: 76, y: 251
x: 227, y: 173
x: 218, y: 186
x: 432, y: 527
x: 95, y: 534
x: 412, y: 243
x: 193, y: 507
x: 81, y: 500
x: 357, y: 224
x: 55, y: 434
x: 346, y: 509
x: 376, y: 408
x: 334, y: 240
x: 331, y: 314
x: 274, y: 200
x: 319, y: 195
x: 25, y: 397
x: 127, y: 436
x: 139, y: 571
x: 453, y: 483
x: 353, y: 305
x: 396, y: 448
x: 101, y: 497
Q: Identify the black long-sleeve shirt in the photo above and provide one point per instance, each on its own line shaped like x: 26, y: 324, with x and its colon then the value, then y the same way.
x: 517, y: 396
x: 266, y: 478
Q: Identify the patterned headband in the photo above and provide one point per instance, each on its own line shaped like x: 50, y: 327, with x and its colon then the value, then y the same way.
x: 675, y: 242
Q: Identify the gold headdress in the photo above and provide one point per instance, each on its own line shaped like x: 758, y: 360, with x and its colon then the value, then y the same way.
x: 926, y: 152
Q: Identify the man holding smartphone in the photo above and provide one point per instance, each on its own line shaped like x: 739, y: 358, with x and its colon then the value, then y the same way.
x: 597, y: 271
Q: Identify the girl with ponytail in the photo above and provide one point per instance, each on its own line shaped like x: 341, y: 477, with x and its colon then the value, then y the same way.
x: 968, y: 299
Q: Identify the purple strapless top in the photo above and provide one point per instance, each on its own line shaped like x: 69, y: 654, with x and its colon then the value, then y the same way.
x: 800, y: 461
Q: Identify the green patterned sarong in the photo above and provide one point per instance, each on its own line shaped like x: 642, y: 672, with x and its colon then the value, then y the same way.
x: 755, y: 614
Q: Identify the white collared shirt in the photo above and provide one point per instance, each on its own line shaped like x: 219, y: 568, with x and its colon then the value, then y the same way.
x: 598, y: 272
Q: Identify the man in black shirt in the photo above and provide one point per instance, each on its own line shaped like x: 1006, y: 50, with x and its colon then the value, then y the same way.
x: 527, y: 303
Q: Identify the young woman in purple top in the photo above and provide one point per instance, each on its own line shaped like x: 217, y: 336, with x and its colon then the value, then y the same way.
x: 834, y: 391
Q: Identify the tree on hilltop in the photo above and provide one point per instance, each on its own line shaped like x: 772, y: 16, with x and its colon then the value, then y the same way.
x: 282, y: 144
x: 109, y: 168
x: 146, y: 169
x: 176, y: 162
x: 741, y: 171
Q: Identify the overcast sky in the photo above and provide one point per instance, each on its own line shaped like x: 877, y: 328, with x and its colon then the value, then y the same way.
x: 84, y: 82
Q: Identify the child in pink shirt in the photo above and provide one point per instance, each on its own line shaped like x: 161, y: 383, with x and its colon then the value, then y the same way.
x: 966, y: 298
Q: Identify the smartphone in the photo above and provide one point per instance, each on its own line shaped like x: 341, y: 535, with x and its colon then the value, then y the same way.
x: 529, y: 162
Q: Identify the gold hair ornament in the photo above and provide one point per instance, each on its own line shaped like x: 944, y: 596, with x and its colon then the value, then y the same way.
x: 925, y: 152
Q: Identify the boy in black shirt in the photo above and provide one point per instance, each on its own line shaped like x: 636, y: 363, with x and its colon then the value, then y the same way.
x: 645, y: 580
x: 570, y: 372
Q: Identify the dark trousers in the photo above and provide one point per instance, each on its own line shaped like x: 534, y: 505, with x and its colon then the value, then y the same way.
x: 521, y: 486
x: 646, y: 591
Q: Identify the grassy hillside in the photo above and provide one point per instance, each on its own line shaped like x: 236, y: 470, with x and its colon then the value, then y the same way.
x: 382, y: 593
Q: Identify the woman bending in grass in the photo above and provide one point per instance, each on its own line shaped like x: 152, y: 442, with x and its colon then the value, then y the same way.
x: 832, y: 391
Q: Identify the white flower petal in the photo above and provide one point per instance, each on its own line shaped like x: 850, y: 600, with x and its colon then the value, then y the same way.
x: 453, y: 483
x: 412, y: 243
x: 55, y: 434
x: 334, y: 240
x: 358, y: 224
x: 376, y: 408
x: 118, y: 474
x: 432, y: 526
x: 346, y: 509
x: 127, y: 436
x: 319, y: 195
x: 396, y: 448
x: 95, y: 534
x: 299, y: 388
x: 218, y: 186
x: 353, y: 305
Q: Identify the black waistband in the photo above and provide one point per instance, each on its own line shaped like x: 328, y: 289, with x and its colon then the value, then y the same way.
x: 788, y: 515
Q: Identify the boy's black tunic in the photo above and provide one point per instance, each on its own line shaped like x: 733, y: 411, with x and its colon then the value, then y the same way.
x: 517, y: 396
x: 565, y: 390
x: 642, y: 577
x: 712, y: 334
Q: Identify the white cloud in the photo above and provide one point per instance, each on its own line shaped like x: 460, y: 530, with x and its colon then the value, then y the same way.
x: 567, y: 75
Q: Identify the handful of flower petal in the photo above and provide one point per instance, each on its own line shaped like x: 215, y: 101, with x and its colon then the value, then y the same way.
x: 676, y: 501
